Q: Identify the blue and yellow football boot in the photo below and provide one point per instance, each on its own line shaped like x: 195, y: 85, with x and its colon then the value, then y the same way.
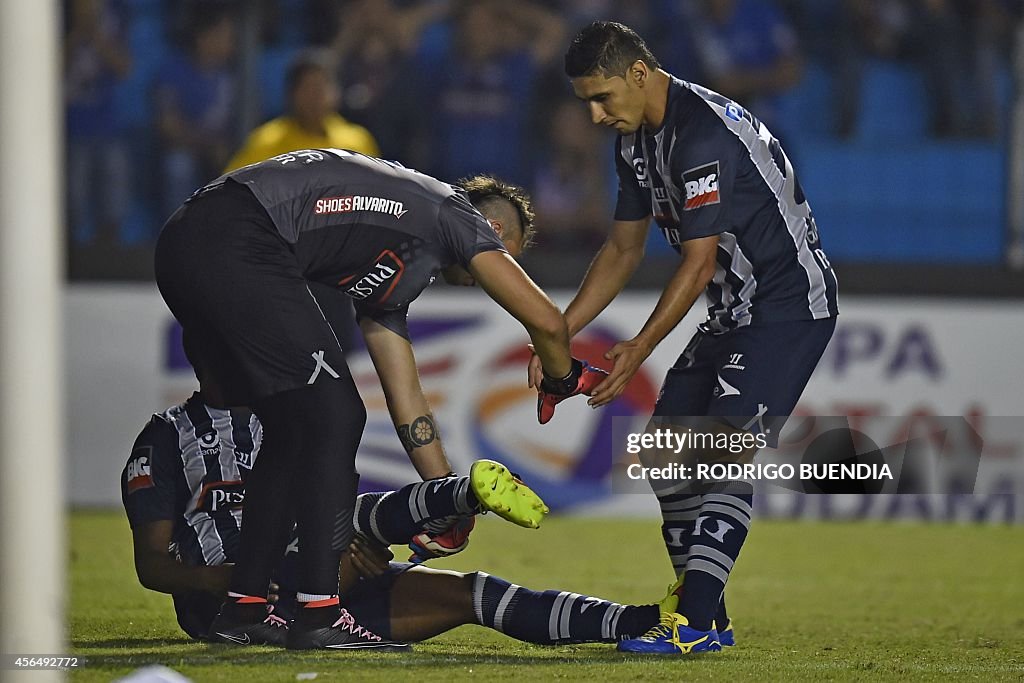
x: 726, y: 636
x: 503, y: 493
x: 672, y: 635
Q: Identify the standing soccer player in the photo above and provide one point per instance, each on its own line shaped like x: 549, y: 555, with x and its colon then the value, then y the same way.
x: 234, y: 265
x: 727, y: 199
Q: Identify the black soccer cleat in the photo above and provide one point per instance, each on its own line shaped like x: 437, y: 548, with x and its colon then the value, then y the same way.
x: 342, y: 633
x: 248, y: 625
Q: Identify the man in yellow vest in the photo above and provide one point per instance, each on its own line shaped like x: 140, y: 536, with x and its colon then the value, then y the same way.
x: 312, y: 120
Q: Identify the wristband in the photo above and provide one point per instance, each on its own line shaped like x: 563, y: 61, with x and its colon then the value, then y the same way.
x: 566, y: 385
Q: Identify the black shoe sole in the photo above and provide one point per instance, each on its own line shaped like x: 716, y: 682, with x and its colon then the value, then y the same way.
x: 304, y: 642
x: 378, y: 647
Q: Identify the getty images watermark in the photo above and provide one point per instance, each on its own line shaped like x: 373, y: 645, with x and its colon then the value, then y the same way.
x: 807, y: 454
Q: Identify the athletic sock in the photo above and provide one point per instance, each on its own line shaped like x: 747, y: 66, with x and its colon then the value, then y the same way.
x: 679, y: 513
x: 320, y: 612
x: 395, y: 517
x: 554, y: 617
x: 721, y: 616
x: 245, y: 608
x: 717, y: 538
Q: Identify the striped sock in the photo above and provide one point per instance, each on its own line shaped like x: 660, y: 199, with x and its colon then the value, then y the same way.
x: 555, y: 616
x: 396, y: 516
x: 717, y: 538
x: 679, y: 513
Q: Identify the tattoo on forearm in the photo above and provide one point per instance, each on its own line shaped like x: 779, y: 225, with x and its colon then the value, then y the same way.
x: 418, y: 433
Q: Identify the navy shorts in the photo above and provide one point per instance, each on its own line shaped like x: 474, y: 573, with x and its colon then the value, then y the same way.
x: 751, y: 376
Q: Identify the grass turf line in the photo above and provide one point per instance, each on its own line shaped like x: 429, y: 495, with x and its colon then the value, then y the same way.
x: 811, y: 601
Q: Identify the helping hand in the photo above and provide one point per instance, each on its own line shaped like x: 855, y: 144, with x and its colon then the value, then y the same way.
x: 583, y: 379
x: 628, y: 356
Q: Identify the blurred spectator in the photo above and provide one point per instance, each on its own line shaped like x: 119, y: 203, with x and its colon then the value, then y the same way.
x: 99, y: 167
x: 817, y: 23
x: 485, y: 84
x: 955, y: 43
x: 653, y: 19
x: 312, y: 119
x: 747, y: 51
x: 572, y: 183
x: 374, y: 47
x: 195, y: 100
x: 986, y: 27
x: 459, y: 86
x: 641, y: 16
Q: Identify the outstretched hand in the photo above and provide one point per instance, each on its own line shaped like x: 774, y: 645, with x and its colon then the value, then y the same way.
x: 582, y: 379
x: 627, y: 357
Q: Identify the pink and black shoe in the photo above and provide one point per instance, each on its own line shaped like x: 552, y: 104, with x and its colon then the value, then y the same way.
x: 334, y: 628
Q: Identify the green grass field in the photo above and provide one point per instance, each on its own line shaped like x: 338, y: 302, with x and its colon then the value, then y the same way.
x: 810, y: 601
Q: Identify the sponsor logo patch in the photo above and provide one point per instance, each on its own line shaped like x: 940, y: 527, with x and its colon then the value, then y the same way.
x: 701, y: 186
x: 386, y: 270
x: 221, y: 495
x: 640, y: 169
x: 243, y: 459
x: 209, y: 444
x: 734, y: 111
x: 355, y: 202
x: 138, y: 470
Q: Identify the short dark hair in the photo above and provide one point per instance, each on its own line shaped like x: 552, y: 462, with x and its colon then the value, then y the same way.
x: 487, y: 191
x: 607, y: 47
x: 306, y: 62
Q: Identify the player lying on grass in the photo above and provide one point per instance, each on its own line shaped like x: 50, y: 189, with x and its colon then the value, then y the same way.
x: 183, y: 491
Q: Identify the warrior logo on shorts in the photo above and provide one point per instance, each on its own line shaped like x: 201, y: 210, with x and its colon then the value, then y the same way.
x: 725, y: 389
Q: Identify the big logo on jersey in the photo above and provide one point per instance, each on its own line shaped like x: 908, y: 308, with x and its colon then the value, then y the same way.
x: 386, y: 269
x: 137, y: 472
x: 701, y: 186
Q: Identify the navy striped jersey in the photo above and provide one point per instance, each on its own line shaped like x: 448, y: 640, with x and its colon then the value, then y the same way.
x: 188, y: 466
x: 374, y: 229
x: 712, y: 168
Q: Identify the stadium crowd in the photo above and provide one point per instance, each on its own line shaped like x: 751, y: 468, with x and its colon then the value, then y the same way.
x: 160, y: 95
